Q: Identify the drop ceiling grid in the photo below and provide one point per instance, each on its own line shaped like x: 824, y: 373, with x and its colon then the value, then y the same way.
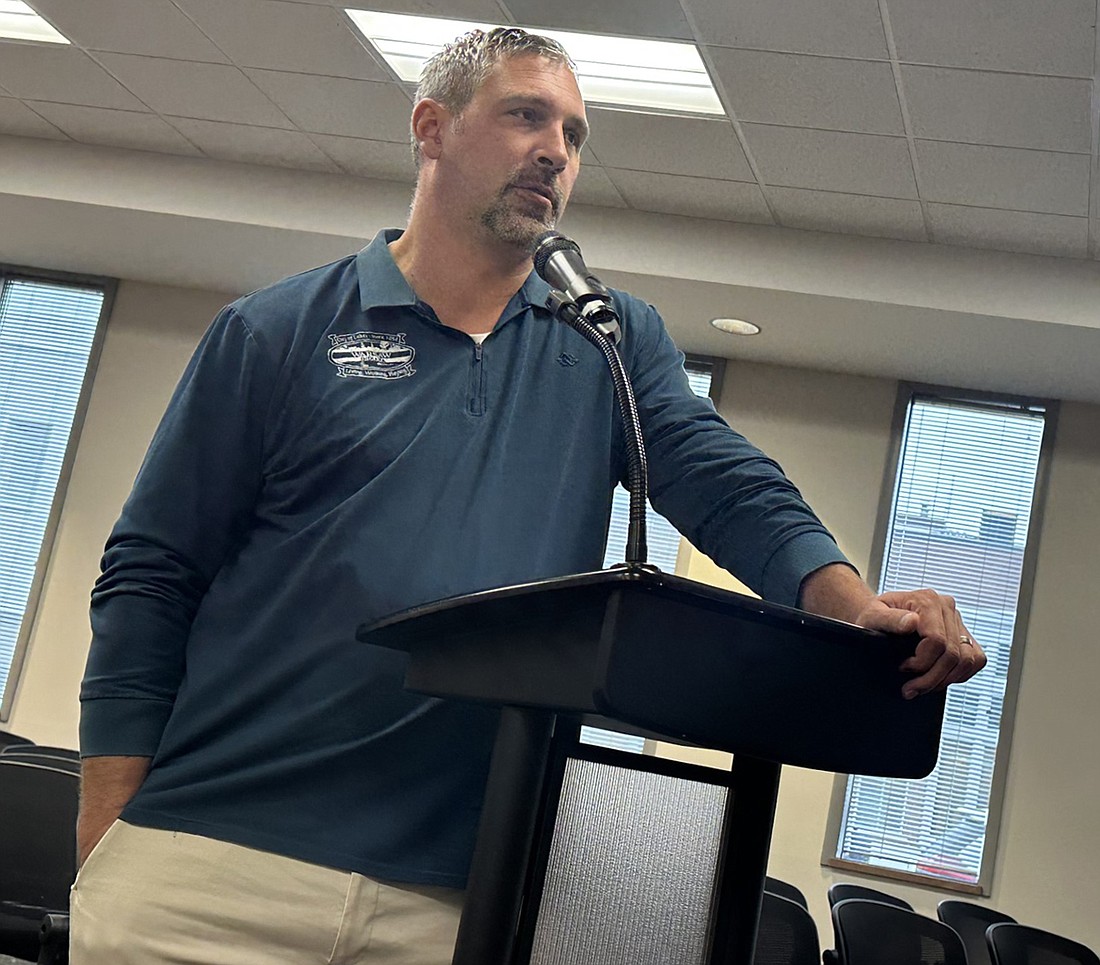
x: 956, y: 124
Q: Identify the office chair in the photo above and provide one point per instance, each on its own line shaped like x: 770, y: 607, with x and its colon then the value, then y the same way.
x: 844, y: 890
x: 785, y: 889
x: 8, y: 739
x: 871, y: 933
x: 38, y: 805
x: 787, y: 934
x: 1012, y: 944
x: 971, y: 921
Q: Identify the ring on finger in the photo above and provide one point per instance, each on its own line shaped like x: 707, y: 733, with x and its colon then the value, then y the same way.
x: 966, y: 641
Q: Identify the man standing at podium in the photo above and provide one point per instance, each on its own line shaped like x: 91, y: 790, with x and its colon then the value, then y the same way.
x: 405, y: 424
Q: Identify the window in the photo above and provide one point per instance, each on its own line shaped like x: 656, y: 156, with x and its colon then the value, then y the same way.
x: 48, y: 341
x: 960, y: 519
x: 662, y: 539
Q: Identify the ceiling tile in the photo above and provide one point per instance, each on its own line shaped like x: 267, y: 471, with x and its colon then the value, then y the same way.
x: 824, y: 92
x: 486, y: 11
x: 152, y: 27
x: 1051, y: 37
x: 692, y: 197
x: 662, y: 19
x: 215, y: 92
x: 336, y: 105
x: 1010, y: 110
x: 63, y: 74
x: 595, y: 187
x: 254, y: 145
x: 832, y: 161
x: 17, y: 118
x: 1023, y: 231
x: 1001, y: 177
x: 845, y: 28
x: 285, y: 36
x: 848, y: 213
x: 385, y: 160
x: 694, y: 146
x: 129, y: 129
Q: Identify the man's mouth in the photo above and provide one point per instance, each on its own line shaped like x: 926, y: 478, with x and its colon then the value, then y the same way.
x: 542, y: 190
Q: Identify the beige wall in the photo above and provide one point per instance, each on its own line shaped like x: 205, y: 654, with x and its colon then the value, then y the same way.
x: 831, y: 434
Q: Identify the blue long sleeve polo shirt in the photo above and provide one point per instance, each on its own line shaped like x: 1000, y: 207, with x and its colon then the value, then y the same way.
x: 332, y: 454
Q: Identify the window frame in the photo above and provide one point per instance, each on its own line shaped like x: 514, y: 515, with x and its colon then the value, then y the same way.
x: 109, y: 288
x: 907, y: 393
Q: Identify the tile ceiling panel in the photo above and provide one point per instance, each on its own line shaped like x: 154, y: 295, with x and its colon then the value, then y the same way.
x: 848, y: 213
x: 62, y: 74
x: 386, y: 160
x: 843, y: 28
x: 692, y: 197
x: 1023, y: 231
x: 17, y: 118
x: 1034, y: 36
x: 213, y: 92
x: 152, y: 27
x: 254, y: 145
x: 285, y: 36
x: 663, y: 19
x: 671, y: 145
x: 336, y: 105
x: 832, y: 161
x: 998, y: 177
x: 96, y: 125
x: 485, y: 11
x: 594, y: 186
x: 1010, y: 110
x: 801, y: 91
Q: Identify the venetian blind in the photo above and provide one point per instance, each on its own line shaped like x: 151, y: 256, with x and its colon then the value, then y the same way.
x: 46, y: 334
x: 960, y: 522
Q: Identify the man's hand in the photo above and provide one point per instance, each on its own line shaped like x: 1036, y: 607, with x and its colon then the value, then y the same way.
x: 947, y: 652
x: 106, y: 786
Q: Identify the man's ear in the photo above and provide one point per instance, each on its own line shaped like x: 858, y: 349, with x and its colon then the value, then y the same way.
x: 429, y: 121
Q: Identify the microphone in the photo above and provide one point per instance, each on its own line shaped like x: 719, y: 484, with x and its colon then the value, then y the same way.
x: 558, y: 262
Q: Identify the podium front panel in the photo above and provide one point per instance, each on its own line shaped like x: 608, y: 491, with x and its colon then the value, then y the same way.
x: 631, y: 871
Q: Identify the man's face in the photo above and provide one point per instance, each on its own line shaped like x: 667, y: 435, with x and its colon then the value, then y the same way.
x: 515, y: 150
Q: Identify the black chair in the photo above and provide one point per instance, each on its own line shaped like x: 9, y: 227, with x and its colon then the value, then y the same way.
x: 844, y: 890
x: 787, y: 934
x: 8, y: 739
x: 1012, y: 944
x: 873, y: 933
x: 971, y: 920
x: 38, y: 805
x: 42, y: 750
x: 28, y: 756
x: 785, y: 890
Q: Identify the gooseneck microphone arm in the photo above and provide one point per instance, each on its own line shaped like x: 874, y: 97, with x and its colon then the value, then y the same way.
x: 572, y: 290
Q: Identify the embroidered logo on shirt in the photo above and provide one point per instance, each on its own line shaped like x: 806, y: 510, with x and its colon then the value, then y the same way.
x: 372, y: 355
x: 566, y: 359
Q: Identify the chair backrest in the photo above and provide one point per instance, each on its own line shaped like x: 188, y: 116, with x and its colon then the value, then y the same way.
x: 787, y: 934
x: 42, y: 750
x: 38, y: 807
x: 1012, y: 944
x: 971, y: 920
x: 872, y: 933
x: 844, y: 890
x: 8, y: 739
x: 19, y: 755
x: 785, y: 889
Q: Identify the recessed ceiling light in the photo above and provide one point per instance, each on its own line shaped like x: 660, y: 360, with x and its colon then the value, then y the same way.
x: 19, y: 22
x: 735, y: 326
x: 614, y: 71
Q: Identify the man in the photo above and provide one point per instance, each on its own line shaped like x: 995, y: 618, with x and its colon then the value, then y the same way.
x: 380, y: 432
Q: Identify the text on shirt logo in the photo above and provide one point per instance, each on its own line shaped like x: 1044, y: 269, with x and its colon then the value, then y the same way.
x: 372, y: 355
x: 566, y: 359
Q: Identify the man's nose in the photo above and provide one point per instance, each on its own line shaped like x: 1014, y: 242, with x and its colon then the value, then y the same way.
x: 555, y: 153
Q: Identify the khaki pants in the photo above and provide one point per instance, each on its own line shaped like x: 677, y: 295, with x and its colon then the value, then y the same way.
x: 149, y: 897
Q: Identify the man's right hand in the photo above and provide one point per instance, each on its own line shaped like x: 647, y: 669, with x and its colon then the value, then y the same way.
x: 106, y: 786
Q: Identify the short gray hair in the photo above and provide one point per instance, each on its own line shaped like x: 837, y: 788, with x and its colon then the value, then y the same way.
x: 453, y: 75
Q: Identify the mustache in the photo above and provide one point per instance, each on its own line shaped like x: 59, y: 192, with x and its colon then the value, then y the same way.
x: 528, y: 178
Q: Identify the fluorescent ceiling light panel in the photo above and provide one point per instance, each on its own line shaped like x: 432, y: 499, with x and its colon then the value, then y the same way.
x: 614, y: 71
x: 20, y: 22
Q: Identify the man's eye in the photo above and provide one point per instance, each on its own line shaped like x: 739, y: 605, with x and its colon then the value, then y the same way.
x: 526, y: 113
x: 573, y: 138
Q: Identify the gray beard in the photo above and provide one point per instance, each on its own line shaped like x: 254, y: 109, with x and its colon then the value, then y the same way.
x: 508, y: 222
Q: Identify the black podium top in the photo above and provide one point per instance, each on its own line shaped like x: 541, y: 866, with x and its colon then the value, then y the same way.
x: 682, y: 659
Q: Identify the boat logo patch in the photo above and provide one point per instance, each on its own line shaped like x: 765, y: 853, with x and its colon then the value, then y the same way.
x: 372, y: 355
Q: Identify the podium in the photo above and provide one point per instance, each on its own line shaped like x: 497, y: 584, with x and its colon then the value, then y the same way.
x: 673, y: 659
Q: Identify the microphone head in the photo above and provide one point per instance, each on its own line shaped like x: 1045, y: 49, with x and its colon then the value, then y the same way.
x: 549, y: 243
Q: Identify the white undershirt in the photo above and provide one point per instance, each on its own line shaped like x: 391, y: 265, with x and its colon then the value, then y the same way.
x: 478, y: 337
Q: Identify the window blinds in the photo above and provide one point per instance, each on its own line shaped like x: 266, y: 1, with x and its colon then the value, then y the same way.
x: 960, y: 521
x: 46, y: 335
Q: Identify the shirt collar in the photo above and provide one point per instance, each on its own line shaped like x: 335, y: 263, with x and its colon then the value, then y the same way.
x: 381, y: 281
